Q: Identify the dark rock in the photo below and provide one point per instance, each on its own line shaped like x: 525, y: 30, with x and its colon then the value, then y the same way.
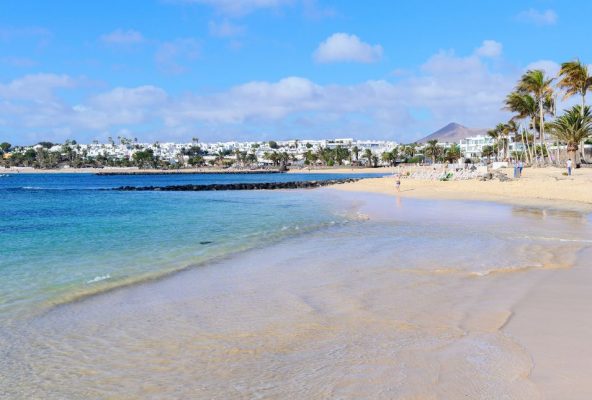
x: 239, y: 186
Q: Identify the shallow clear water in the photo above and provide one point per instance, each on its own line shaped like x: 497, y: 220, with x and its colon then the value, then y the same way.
x: 397, y: 299
x: 62, y: 238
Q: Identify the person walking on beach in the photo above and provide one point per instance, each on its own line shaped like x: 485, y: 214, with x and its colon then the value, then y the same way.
x: 569, y: 167
x: 398, y: 182
x: 520, y: 167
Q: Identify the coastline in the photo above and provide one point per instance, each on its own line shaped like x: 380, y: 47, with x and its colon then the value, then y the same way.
x: 539, y: 187
x: 132, y: 171
x: 189, y: 171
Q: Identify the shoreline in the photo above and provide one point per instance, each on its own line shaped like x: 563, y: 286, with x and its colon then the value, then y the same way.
x: 539, y: 187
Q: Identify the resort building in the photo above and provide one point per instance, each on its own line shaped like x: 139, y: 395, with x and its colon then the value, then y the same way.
x: 472, y: 147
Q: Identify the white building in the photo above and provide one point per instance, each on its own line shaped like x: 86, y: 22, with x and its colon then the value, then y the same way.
x: 472, y: 147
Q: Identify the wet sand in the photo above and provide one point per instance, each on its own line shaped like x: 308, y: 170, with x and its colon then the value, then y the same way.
x: 412, y: 299
x: 552, y: 323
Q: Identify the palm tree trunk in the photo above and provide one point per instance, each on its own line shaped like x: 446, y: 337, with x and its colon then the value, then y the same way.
x: 572, y: 151
x: 582, y: 149
x: 541, y: 129
x: 526, y: 146
x: 533, y: 149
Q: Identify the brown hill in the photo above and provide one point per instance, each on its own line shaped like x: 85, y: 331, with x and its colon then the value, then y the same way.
x: 452, y: 133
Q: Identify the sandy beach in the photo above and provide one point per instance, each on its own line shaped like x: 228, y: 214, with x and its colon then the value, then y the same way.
x: 537, y: 187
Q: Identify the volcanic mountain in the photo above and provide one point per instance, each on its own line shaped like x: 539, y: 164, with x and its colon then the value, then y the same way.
x: 453, y: 132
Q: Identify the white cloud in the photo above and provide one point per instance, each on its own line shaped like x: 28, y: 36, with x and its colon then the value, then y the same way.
x: 122, y: 37
x: 225, y: 28
x: 343, y: 47
x: 237, y: 8
x: 172, y: 57
x: 449, y: 87
x: 119, y: 106
x: 547, y: 17
x: 36, y: 87
x: 489, y: 48
x: 550, y: 67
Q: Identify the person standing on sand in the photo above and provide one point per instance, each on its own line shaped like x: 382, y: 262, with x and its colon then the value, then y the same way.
x: 398, y: 182
x: 569, y: 167
x: 520, y: 167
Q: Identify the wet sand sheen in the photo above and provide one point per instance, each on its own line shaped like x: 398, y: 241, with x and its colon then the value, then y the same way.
x: 412, y: 304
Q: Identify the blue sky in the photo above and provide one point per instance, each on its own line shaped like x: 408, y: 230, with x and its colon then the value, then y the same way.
x: 260, y: 69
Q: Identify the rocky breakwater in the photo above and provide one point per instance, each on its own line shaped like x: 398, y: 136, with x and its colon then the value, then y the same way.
x: 239, y: 186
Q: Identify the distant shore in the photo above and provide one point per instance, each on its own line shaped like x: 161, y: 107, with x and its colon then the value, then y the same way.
x: 131, y: 171
x: 207, y: 170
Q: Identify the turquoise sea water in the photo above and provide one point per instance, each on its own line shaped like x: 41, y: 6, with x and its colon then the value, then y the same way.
x: 62, y: 237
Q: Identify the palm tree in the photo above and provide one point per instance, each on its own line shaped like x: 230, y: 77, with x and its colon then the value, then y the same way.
x: 395, y: 155
x: 386, y: 157
x: 356, y: 152
x: 310, y: 158
x: 495, y: 134
x: 575, y: 79
x: 453, y: 153
x: 250, y: 158
x: 535, y: 82
x: 409, y: 150
x: 510, y: 129
x: 284, y: 158
x: 574, y: 126
x: 487, y: 151
x: 525, y: 107
x: 432, y: 149
x: 368, y: 156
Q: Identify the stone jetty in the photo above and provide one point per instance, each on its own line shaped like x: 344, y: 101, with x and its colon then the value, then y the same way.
x: 239, y: 186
